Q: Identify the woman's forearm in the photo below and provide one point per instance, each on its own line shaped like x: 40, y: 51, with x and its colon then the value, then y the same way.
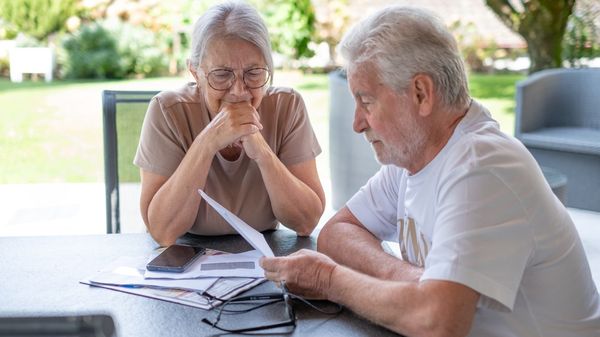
x: 295, y: 204
x: 173, y: 209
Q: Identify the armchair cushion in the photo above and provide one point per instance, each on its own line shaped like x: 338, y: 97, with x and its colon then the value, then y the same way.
x: 570, y: 139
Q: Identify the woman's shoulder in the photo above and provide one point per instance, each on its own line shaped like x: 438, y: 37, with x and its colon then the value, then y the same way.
x: 186, y: 94
x: 282, y: 93
x: 282, y: 98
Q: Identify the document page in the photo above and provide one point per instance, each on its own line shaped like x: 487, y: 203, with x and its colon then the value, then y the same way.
x: 254, y: 237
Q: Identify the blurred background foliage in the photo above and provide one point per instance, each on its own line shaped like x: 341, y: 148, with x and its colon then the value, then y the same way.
x: 291, y: 25
x: 37, y: 18
x: 113, y: 49
x: 141, y: 38
x: 582, y: 38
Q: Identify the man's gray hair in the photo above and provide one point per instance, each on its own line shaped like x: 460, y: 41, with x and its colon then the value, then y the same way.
x: 404, y: 41
x: 234, y: 19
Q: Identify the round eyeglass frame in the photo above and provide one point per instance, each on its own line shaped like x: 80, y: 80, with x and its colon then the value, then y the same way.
x: 235, y: 78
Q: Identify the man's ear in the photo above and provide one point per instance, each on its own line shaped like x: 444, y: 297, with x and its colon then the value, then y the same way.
x: 423, y: 89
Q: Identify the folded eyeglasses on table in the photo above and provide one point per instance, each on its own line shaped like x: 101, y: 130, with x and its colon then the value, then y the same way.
x: 245, y: 304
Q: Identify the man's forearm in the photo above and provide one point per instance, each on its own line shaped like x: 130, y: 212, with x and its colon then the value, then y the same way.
x: 354, y: 246
x: 390, y: 304
x: 430, y: 308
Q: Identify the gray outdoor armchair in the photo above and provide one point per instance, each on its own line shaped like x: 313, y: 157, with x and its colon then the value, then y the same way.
x: 558, y: 120
x: 123, y: 115
x: 352, y: 161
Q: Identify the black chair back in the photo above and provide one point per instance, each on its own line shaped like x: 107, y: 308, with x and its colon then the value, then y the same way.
x: 123, y: 115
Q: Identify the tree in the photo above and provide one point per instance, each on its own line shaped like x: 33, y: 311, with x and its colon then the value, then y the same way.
x: 332, y: 21
x: 542, y: 23
x: 291, y: 24
x: 582, y: 39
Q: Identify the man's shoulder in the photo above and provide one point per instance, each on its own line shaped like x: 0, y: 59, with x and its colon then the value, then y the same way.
x: 479, y: 136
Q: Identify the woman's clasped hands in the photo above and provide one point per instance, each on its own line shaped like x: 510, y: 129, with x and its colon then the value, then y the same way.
x: 238, y: 125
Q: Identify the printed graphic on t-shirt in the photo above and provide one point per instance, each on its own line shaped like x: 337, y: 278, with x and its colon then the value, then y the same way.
x: 413, y: 245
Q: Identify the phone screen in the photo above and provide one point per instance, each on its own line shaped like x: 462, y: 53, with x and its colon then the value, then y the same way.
x: 175, y: 258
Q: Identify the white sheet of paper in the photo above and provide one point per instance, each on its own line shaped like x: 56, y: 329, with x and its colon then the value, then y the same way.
x: 129, y: 271
x: 254, y: 237
x: 223, y: 265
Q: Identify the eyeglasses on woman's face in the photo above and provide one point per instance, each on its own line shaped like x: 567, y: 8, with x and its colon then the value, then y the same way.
x: 223, y: 79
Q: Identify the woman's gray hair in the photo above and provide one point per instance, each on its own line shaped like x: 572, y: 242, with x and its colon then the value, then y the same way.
x: 234, y: 19
x: 404, y: 41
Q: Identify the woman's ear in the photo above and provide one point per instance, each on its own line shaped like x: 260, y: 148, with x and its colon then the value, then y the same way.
x: 192, y: 70
x: 423, y: 93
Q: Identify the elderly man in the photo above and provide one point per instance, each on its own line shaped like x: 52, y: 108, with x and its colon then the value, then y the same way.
x: 487, y: 249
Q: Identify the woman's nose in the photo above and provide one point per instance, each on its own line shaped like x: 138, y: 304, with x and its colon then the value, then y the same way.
x: 238, y: 88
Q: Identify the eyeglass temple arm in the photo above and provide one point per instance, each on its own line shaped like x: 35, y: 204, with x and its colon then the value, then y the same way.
x: 259, y: 297
x: 257, y: 328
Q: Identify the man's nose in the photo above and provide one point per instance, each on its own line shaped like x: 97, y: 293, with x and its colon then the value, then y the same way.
x: 360, y: 123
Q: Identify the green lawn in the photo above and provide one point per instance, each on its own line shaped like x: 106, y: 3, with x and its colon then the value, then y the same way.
x: 53, y: 132
x: 497, y: 93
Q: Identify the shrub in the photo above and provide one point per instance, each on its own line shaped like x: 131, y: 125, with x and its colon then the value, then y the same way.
x: 475, y: 49
x: 4, y: 67
x: 37, y: 18
x: 113, y: 50
x: 141, y: 52
x: 91, y: 53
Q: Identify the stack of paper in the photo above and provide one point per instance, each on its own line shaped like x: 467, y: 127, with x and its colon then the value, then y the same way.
x: 197, y: 287
x: 213, y: 275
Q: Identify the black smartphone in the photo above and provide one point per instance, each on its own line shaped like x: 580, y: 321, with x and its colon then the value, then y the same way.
x: 175, y: 258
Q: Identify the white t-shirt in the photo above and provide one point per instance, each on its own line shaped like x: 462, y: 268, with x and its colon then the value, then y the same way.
x: 484, y: 216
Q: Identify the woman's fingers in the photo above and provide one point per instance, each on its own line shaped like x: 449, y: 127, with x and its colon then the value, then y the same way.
x: 241, y: 113
x: 234, y: 121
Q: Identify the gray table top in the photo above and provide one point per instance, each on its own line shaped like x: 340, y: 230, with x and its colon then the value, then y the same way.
x: 40, y: 277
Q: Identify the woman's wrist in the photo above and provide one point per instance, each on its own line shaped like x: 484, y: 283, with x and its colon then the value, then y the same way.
x: 206, y: 142
x: 266, y: 157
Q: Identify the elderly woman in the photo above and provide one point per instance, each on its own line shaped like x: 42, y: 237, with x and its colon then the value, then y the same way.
x: 248, y: 145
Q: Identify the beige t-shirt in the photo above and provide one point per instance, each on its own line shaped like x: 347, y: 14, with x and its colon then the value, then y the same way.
x: 175, y: 118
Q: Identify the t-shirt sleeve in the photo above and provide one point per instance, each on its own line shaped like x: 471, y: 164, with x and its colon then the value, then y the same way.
x: 299, y: 142
x: 159, y: 150
x: 481, y: 238
x: 375, y: 204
